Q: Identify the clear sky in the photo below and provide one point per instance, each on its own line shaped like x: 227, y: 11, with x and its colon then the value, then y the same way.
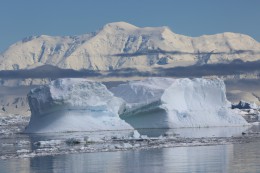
x: 21, y: 18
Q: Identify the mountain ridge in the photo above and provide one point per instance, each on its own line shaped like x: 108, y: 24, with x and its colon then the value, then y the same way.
x: 109, y: 47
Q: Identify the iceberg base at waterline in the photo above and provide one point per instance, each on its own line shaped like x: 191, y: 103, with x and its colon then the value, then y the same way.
x: 76, y: 120
x: 83, y: 105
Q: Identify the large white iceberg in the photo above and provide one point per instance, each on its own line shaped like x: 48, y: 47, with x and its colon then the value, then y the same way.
x: 174, y: 103
x: 74, y: 105
x: 83, y: 105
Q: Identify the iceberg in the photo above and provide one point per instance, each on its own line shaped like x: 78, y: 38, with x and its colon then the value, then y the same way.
x: 84, y: 105
x: 175, y: 103
x: 74, y: 105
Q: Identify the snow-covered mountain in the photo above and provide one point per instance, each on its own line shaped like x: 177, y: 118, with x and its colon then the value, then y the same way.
x: 122, y: 45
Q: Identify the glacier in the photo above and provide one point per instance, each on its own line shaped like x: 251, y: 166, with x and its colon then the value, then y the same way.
x: 176, y: 103
x: 84, y: 105
x: 74, y: 105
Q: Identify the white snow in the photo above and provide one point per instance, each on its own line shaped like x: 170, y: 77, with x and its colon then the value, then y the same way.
x: 74, y: 105
x: 174, y: 103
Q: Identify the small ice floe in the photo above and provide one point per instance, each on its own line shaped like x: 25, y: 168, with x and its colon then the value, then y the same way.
x: 7, y: 144
x: 22, y: 143
x: 48, y: 143
x: 46, y: 150
x: 123, y: 146
x: 22, y: 151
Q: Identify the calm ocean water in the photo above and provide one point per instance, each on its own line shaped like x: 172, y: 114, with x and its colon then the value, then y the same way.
x: 202, y: 159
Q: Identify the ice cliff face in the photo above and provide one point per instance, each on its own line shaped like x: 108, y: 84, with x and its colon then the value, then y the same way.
x: 122, y: 45
x: 83, y: 105
x: 74, y: 105
x: 173, y: 103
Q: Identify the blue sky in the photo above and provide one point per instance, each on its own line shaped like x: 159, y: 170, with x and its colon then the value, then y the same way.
x: 21, y: 18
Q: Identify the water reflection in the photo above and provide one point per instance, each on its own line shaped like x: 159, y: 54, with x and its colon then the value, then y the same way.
x: 222, y: 158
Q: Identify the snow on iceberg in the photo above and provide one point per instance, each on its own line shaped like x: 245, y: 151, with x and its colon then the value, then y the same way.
x: 74, y: 105
x: 174, y: 103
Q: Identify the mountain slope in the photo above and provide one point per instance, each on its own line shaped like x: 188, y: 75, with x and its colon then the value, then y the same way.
x: 122, y: 45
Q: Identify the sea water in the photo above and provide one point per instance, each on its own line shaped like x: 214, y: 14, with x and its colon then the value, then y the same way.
x: 202, y: 159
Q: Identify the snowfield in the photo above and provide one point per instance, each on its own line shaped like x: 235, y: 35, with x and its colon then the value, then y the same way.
x: 84, y: 105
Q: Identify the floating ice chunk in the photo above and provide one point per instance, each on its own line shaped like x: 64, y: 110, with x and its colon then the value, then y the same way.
x: 74, y: 105
x: 127, y: 145
x: 22, y: 151
x: 174, y: 103
x: 48, y: 143
x: 23, y: 142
